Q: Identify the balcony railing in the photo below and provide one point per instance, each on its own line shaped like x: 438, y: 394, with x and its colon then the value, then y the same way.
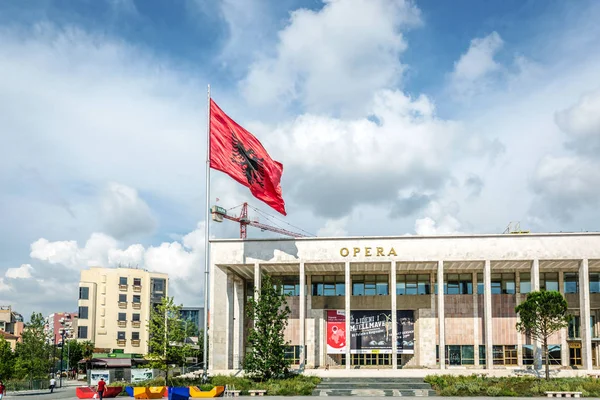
x: 123, y: 287
x: 137, y: 288
x: 122, y: 304
x: 137, y: 306
x: 122, y: 324
x: 135, y: 342
x: 121, y: 342
x: 135, y: 324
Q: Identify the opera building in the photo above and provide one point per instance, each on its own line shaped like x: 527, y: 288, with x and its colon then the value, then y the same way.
x: 409, y: 301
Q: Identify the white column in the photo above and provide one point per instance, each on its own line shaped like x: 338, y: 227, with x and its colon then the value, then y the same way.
x: 517, y: 302
x: 535, y: 286
x: 302, y: 316
x: 394, y: 319
x: 584, y: 312
x: 487, y: 303
x: 238, y: 323
x: 257, y: 281
x: 475, y: 319
x: 441, y: 320
x: 347, y: 312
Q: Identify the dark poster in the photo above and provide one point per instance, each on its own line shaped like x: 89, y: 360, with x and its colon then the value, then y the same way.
x: 371, y: 332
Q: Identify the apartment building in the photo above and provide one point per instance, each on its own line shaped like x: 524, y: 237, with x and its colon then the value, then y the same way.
x: 11, y: 321
x: 56, y: 323
x: 115, y: 306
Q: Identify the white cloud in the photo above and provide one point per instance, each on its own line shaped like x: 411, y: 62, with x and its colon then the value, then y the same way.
x: 132, y: 256
x: 439, y: 220
x: 335, y: 58
x: 334, y: 227
x: 4, y: 287
x: 69, y: 254
x: 124, y: 213
x: 582, y: 121
x: 473, y: 70
x: 23, y: 272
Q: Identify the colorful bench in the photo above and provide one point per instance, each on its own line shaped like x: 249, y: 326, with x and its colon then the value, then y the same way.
x: 86, y: 392
x: 216, y: 391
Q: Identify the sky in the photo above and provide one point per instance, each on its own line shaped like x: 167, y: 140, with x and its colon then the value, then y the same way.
x: 390, y: 117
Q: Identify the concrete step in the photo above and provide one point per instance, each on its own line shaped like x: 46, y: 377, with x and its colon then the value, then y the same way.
x: 375, y: 392
x: 372, y: 385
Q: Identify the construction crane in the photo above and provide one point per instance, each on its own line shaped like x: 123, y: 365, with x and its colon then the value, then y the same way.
x: 220, y: 213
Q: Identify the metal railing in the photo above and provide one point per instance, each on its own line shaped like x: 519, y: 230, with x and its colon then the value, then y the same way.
x: 35, y: 384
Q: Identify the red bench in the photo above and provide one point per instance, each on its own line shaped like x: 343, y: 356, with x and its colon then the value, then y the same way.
x: 86, y: 392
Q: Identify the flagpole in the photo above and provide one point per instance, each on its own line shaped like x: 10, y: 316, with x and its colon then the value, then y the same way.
x: 206, y: 243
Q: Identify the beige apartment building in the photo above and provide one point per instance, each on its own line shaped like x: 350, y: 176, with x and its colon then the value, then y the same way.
x: 115, y: 305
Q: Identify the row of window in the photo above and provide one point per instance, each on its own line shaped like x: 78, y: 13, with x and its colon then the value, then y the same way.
x: 502, y: 355
x: 415, y: 284
x: 124, y: 281
x: 83, y: 314
x: 134, y: 335
x: 136, y: 298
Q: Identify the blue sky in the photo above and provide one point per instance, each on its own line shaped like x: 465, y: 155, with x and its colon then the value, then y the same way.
x: 391, y: 117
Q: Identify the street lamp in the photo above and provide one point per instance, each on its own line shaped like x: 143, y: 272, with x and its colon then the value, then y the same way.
x: 62, y: 353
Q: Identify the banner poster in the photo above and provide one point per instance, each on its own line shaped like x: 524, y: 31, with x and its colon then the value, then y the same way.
x: 141, y: 374
x: 336, y: 331
x: 370, y: 332
x: 96, y: 374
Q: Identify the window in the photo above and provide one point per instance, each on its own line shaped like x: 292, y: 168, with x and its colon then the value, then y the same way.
x: 458, y: 284
x: 292, y: 354
x: 82, y: 332
x: 480, y: 285
x: 528, y: 354
x: 123, y: 280
x: 122, y: 298
x: 84, y: 293
x: 412, y: 284
x: 370, y: 285
x: 120, y: 335
x: 575, y: 327
x: 135, y: 317
x: 503, y: 283
x: 460, y: 355
x: 549, y: 281
x: 122, y: 316
x: 505, y: 355
x: 137, y: 298
x: 371, y: 359
x: 135, y: 336
x: 571, y: 282
x: 137, y: 281
x: 288, y: 285
x: 328, y: 285
x: 83, y: 313
x: 481, y: 354
x: 594, y: 282
x: 158, y: 285
x: 525, y: 285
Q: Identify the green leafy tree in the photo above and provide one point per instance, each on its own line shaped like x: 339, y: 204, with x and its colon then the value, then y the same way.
x: 33, y: 353
x: 7, y: 359
x: 266, y: 358
x: 167, y: 336
x: 541, y: 315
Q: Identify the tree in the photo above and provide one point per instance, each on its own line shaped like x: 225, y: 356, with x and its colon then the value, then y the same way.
x: 33, y: 352
x: 6, y: 359
x: 266, y: 358
x: 167, y: 336
x: 541, y: 315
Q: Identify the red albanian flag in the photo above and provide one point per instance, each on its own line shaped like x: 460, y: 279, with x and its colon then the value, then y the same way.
x: 239, y: 154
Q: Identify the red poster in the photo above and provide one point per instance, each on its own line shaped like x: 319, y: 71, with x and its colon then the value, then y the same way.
x: 336, y: 332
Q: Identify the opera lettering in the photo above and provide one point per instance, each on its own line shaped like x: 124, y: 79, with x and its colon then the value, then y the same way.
x: 367, y: 252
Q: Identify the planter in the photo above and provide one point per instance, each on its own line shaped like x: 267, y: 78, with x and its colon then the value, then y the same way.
x: 86, y: 392
x: 153, y: 392
x: 179, y: 393
x: 217, y: 391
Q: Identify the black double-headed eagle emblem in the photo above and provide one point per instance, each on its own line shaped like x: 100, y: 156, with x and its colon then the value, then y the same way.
x: 251, y: 164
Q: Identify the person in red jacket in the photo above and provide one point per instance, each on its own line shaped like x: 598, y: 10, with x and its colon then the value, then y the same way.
x: 2, y: 390
x: 101, y: 386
